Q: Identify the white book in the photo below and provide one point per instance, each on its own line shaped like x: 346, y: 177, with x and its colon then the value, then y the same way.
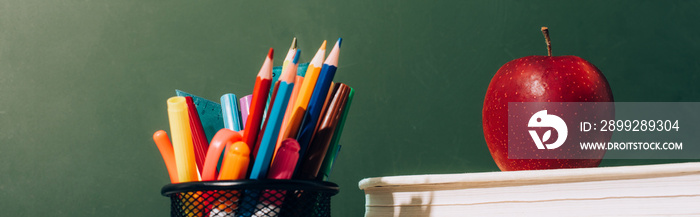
x: 651, y: 190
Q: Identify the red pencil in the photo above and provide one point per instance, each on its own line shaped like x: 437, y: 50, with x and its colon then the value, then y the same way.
x: 257, y: 106
x: 199, y: 139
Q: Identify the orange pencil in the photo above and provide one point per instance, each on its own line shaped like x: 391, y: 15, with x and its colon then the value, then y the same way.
x: 166, y: 150
x: 287, y: 115
x: 257, y: 106
x: 304, y: 95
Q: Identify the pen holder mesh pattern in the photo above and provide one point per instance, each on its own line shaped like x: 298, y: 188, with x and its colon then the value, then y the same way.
x: 251, y: 198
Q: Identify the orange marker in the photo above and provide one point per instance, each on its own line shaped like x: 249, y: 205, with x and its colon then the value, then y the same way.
x: 166, y: 150
x: 235, y: 164
x: 220, y: 140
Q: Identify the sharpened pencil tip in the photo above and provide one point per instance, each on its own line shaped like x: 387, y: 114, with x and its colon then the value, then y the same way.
x: 340, y: 40
x: 294, y: 43
x: 323, y: 46
x: 270, y: 53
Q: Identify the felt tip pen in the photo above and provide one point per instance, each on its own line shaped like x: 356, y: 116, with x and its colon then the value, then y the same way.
x: 231, y: 115
x: 269, y: 139
x: 182, y: 139
x: 199, y: 138
x: 308, y: 124
x: 220, y: 140
x: 245, y: 108
x: 285, y: 161
x: 160, y: 137
x: 235, y: 164
x: 233, y: 167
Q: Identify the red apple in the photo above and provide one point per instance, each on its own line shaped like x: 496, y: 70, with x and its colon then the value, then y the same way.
x: 539, y: 79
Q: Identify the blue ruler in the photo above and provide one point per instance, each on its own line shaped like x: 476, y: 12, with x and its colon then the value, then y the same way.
x: 209, y: 113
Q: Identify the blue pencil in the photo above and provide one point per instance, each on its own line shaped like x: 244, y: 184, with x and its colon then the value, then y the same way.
x: 325, y: 77
x: 271, y: 133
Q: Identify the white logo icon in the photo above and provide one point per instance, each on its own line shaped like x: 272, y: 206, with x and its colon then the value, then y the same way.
x: 542, y: 119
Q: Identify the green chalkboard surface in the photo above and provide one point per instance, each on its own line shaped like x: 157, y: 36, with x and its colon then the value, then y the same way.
x: 83, y: 84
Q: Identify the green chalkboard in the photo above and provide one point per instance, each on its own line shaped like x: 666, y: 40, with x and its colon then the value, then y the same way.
x: 83, y: 84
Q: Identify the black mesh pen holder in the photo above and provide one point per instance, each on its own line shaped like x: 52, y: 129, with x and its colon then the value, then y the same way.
x: 247, y: 198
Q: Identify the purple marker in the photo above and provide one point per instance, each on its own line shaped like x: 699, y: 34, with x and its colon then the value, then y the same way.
x: 245, y: 107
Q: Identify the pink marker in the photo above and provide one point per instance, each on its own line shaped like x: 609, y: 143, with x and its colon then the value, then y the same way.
x: 245, y: 107
x: 286, y: 160
x: 282, y: 168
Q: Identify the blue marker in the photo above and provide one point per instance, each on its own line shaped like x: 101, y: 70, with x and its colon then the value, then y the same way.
x: 230, y: 111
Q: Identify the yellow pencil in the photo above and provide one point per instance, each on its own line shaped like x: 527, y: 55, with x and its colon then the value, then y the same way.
x: 182, y: 139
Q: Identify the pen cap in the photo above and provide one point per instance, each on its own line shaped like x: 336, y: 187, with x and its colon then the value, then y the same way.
x: 230, y: 112
x: 218, y: 143
x: 235, y: 164
x: 285, y: 161
x: 182, y: 139
x: 177, y: 104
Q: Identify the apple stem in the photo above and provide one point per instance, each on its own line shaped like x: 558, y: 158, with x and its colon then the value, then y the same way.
x: 545, y: 32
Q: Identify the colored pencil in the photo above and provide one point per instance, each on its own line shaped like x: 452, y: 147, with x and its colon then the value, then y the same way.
x: 290, y: 54
x: 257, y: 106
x: 270, y: 135
x: 275, y: 79
x: 298, y: 81
x: 305, y: 91
x: 334, y: 147
x: 316, y: 152
x: 325, y: 77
